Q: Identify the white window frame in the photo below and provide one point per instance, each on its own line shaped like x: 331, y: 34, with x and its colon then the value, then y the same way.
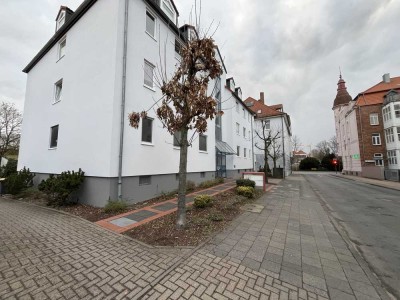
x: 58, y: 86
x: 378, y: 157
x: 396, y: 108
x: 167, y: 7
x: 61, y: 48
x: 244, y: 132
x: 398, y: 132
x: 244, y: 152
x: 387, y: 115
x: 267, y: 124
x: 376, y: 139
x: 148, y: 64
x: 153, y: 17
x: 389, y: 135
x: 51, y: 137
x: 373, y: 119
x: 237, y: 128
x: 237, y: 151
x: 200, y: 137
x: 151, y: 133
x: 61, y: 20
x: 392, y: 157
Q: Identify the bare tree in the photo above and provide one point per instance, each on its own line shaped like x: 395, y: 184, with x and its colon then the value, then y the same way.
x: 185, y: 106
x: 333, y: 145
x: 276, y: 152
x: 266, y: 139
x: 10, y: 128
x: 296, y: 143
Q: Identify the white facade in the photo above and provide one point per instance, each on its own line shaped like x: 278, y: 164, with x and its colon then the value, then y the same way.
x: 347, y: 137
x: 77, y: 84
x: 237, y: 124
x: 277, y: 125
x: 391, y: 125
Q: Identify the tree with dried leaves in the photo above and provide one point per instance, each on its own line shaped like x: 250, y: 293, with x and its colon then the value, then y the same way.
x: 10, y: 128
x: 276, y: 152
x: 185, y: 106
x: 266, y: 138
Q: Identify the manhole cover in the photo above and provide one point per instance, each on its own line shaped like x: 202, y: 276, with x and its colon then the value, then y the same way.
x: 255, y: 208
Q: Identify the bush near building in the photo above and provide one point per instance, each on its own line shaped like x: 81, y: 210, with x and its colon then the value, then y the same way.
x: 309, y: 163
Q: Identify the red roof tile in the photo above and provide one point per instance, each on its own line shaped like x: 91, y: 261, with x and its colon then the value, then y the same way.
x: 374, y: 95
x: 263, y: 110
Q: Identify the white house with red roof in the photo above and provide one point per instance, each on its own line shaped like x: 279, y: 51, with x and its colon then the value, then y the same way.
x: 278, y: 123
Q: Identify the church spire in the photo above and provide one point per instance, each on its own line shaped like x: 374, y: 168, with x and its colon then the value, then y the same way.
x: 342, y: 96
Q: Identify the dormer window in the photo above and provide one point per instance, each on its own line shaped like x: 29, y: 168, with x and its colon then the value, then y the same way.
x: 61, y: 20
x: 169, y: 10
x: 239, y: 92
x: 232, y: 85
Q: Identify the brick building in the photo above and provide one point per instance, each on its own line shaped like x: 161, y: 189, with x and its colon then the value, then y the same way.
x: 360, y: 128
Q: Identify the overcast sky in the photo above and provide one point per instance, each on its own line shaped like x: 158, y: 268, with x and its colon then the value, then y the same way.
x: 290, y: 49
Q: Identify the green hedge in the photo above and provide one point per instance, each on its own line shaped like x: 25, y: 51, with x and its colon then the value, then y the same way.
x: 245, y: 182
x: 202, y: 201
x: 246, y: 191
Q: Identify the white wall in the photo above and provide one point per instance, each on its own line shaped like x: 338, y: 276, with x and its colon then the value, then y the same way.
x: 277, y: 125
x: 347, y: 137
x: 229, y: 135
x: 84, y: 113
x: 393, y: 123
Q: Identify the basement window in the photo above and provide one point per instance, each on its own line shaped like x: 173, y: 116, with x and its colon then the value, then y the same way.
x: 144, y: 180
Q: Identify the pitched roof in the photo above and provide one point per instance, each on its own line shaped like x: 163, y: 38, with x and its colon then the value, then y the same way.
x: 300, y: 152
x: 375, y: 94
x: 263, y: 110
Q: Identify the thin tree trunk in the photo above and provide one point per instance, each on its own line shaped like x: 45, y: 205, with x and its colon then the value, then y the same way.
x: 266, y: 168
x: 181, y: 219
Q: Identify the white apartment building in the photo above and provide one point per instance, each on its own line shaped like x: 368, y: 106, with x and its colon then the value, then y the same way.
x: 279, y: 124
x: 100, y: 65
x: 391, y: 125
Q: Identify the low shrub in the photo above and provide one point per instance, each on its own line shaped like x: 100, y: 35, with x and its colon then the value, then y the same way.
x: 60, y: 187
x: 246, y: 191
x: 114, y: 206
x: 210, y: 183
x: 216, y: 217
x: 31, y: 192
x: 245, y: 182
x: 9, y: 168
x: 202, y: 201
x: 190, y: 186
x: 19, y: 181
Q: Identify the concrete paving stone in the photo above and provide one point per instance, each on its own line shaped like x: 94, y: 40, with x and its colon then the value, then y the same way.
x: 336, y: 294
x: 123, y: 222
x: 314, y: 281
x: 362, y: 296
x: 338, y: 274
x: 328, y: 255
x: 338, y: 284
x: 270, y: 266
x: 290, y: 278
x: 273, y: 257
x: 251, y: 263
x: 331, y: 264
x: 356, y: 276
x: 311, y: 261
x: 318, y: 272
x: 364, y: 288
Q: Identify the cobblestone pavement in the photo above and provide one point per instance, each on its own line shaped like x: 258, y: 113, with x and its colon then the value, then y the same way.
x: 288, y: 251
x: 45, y: 254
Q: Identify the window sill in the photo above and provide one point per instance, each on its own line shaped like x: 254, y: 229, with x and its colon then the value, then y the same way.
x: 147, y: 144
x: 149, y: 87
x: 55, y: 102
x: 201, y: 151
x: 177, y: 148
x: 54, y: 148
x: 150, y: 35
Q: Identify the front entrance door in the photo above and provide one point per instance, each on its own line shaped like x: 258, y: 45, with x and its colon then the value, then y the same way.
x: 221, y: 165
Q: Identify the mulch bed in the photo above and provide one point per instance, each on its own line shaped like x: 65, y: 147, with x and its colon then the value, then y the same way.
x: 201, y: 223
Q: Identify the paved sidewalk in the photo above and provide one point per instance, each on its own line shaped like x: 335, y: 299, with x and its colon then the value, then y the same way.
x: 288, y: 251
x: 383, y: 183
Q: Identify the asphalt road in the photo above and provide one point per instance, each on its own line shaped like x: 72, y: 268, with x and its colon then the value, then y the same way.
x: 371, y: 217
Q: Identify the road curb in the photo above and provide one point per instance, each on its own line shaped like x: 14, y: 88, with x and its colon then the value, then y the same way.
x: 370, y: 183
x: 379, y: 286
